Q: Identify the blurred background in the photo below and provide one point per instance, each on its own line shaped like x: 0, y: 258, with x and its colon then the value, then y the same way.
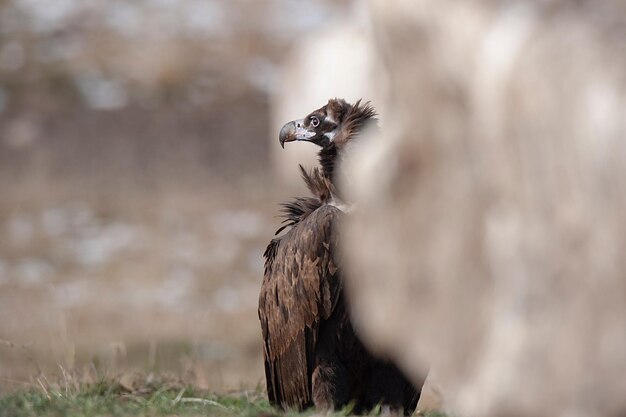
x: 136, y: 186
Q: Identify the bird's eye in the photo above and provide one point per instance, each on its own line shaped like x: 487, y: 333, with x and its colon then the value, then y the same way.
x: 315, y: 121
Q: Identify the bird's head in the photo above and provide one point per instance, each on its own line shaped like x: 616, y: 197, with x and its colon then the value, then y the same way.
x: 319, y: 127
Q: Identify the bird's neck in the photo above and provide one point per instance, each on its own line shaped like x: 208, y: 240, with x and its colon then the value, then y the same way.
x: 328, y: 159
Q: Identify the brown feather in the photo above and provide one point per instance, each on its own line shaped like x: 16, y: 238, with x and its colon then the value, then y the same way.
x: 299, y: 290
x: 360, y: 116
x: 297, y: 210
x: 318, y: 183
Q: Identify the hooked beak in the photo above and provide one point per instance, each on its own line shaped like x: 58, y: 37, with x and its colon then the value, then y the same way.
x: 294, y: 131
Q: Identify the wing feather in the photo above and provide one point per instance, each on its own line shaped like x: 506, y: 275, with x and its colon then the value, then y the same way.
x: 300, y: 288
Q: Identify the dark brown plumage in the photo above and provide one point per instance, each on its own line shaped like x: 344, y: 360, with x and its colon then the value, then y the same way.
x: 312, y: 353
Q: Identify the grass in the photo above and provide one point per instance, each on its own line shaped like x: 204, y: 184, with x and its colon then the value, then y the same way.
x: 112, y: 398
x: 139, y: 396
x: 109, y: 398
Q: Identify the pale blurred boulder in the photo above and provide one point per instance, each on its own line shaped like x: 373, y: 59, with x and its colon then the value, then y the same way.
x: 489, y: 235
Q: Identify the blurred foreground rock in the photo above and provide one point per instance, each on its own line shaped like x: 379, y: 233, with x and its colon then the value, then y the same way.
x: 489, y: 238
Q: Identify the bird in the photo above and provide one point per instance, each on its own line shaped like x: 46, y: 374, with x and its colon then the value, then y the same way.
x: 313, y: 355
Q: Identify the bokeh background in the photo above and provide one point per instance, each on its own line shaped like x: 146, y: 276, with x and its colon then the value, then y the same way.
x: 137, y: 192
